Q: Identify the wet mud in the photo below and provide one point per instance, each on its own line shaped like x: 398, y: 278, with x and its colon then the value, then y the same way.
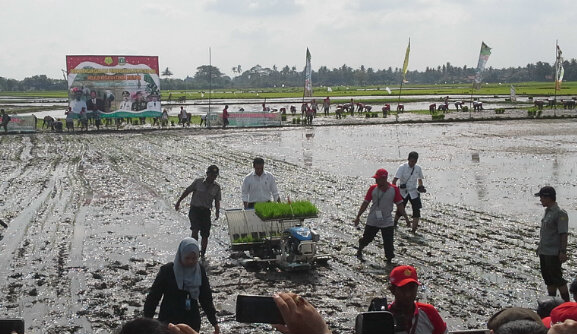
x: 90, y: 217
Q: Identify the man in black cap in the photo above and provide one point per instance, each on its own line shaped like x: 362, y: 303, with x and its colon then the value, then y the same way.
x: 204, y: 191
x: 552, y: 248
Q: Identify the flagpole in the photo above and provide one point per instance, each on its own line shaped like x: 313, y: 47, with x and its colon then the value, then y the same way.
x: 556, y: 77
x: 399, y: 101
x: 209, y: 84
x: 471, y: 100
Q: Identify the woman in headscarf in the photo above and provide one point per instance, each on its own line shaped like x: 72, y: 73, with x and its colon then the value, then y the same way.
x: 182, y: 285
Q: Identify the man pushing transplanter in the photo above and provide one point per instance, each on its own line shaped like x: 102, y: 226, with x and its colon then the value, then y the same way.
x: 204, y: 191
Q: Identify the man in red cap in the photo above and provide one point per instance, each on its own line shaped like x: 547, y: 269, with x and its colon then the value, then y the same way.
x: 410, y: 316
x: 382, y: 195
x: 563, y: 312
x: 552, y: 248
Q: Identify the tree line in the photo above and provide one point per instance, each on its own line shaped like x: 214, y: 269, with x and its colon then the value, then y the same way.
x: 207, y: 76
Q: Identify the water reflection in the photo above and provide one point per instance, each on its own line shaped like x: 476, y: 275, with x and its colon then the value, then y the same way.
x: 513, y: 164
x: 308, y: 146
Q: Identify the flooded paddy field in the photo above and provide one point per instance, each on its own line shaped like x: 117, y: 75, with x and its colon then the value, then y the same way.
x: 56, y: 107
x: 91, y: 219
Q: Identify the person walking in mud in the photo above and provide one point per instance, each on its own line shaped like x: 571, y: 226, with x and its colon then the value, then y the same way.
x: 258, y: 186
x: 5, y: 120
x: 326, y: 105
x: 411, y: 316
x: 182, y: 285
x: 83, y: 119
x: 69, y: 119
x: 204, y: 191
x: 410, y: 177
x: 552, y: 249
x: 382, y: 195
x: 225, y: 116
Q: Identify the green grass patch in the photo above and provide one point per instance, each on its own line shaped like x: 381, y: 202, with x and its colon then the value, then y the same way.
x: 274, y: 210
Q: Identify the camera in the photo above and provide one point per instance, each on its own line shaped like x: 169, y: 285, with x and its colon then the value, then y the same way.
x: 257, y: 309
x: 376, y: 322
x: 403, y: 186
x: 8, y: 326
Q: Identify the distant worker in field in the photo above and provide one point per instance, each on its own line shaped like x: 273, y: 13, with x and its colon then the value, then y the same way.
x: 5, y: 119
x: 326, y: 105
x: 225, y: 116
x: 382, y: 195
x: 310, y: 113
x: 83, y: 120
x: 164, y: 118
x: 204, y: 191
x: 182, y: 116
x: 304, y: 107
x: 410, y: 177
x: 552, y: 248
x: 258, y: 186
x: 314, y: 107
x: 69, y: 119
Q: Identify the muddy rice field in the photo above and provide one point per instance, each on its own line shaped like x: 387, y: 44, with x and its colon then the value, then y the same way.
x: 91, y: 217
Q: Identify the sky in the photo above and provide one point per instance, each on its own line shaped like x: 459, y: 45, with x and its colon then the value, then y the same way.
x: 185, y: 34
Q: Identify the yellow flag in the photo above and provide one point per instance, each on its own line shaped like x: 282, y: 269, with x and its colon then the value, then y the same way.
x: 406, y: 62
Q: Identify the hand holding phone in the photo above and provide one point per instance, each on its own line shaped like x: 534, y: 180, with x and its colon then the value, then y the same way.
x: 377, y: 322
x: 257, y: 309
x: 300, y: 316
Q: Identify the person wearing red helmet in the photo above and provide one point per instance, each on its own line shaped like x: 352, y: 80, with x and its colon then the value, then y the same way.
x: 411, y: 316
x: 382, y: 195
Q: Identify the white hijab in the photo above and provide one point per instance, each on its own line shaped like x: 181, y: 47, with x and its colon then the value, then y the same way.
x: 188, y: 278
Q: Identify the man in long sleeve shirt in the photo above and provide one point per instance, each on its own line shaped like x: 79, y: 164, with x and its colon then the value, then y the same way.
x: 259, y: 186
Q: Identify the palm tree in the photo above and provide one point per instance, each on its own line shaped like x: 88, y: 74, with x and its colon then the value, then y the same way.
x: 166, y: 72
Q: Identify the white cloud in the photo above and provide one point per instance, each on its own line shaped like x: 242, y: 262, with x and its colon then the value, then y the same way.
x: 373, y: 33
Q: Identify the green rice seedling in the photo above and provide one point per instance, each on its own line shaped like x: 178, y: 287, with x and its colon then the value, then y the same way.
x: 297, y: 209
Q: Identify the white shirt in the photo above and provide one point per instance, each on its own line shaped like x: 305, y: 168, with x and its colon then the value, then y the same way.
x: 259, y: 188
x: 153, y: 105
x: 409, y: 176
x: 77, y: 105
x: 126, y: 105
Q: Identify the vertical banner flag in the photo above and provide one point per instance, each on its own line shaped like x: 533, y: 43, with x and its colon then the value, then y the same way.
x: 513, y: 94
x: 308, y: 75
x: 114, y: 86
x: 406, y: 62
x: 483, y: 58
x: 559, y: 71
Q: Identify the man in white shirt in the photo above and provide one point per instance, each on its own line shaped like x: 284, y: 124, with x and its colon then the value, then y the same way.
x: 259, y: 186
x: 410, y: 177
x: 126, y: 104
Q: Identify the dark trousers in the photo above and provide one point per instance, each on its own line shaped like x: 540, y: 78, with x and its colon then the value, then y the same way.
x: 388, y: 234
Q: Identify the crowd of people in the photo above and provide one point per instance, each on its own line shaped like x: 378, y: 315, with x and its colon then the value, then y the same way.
x: 184, y: 288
